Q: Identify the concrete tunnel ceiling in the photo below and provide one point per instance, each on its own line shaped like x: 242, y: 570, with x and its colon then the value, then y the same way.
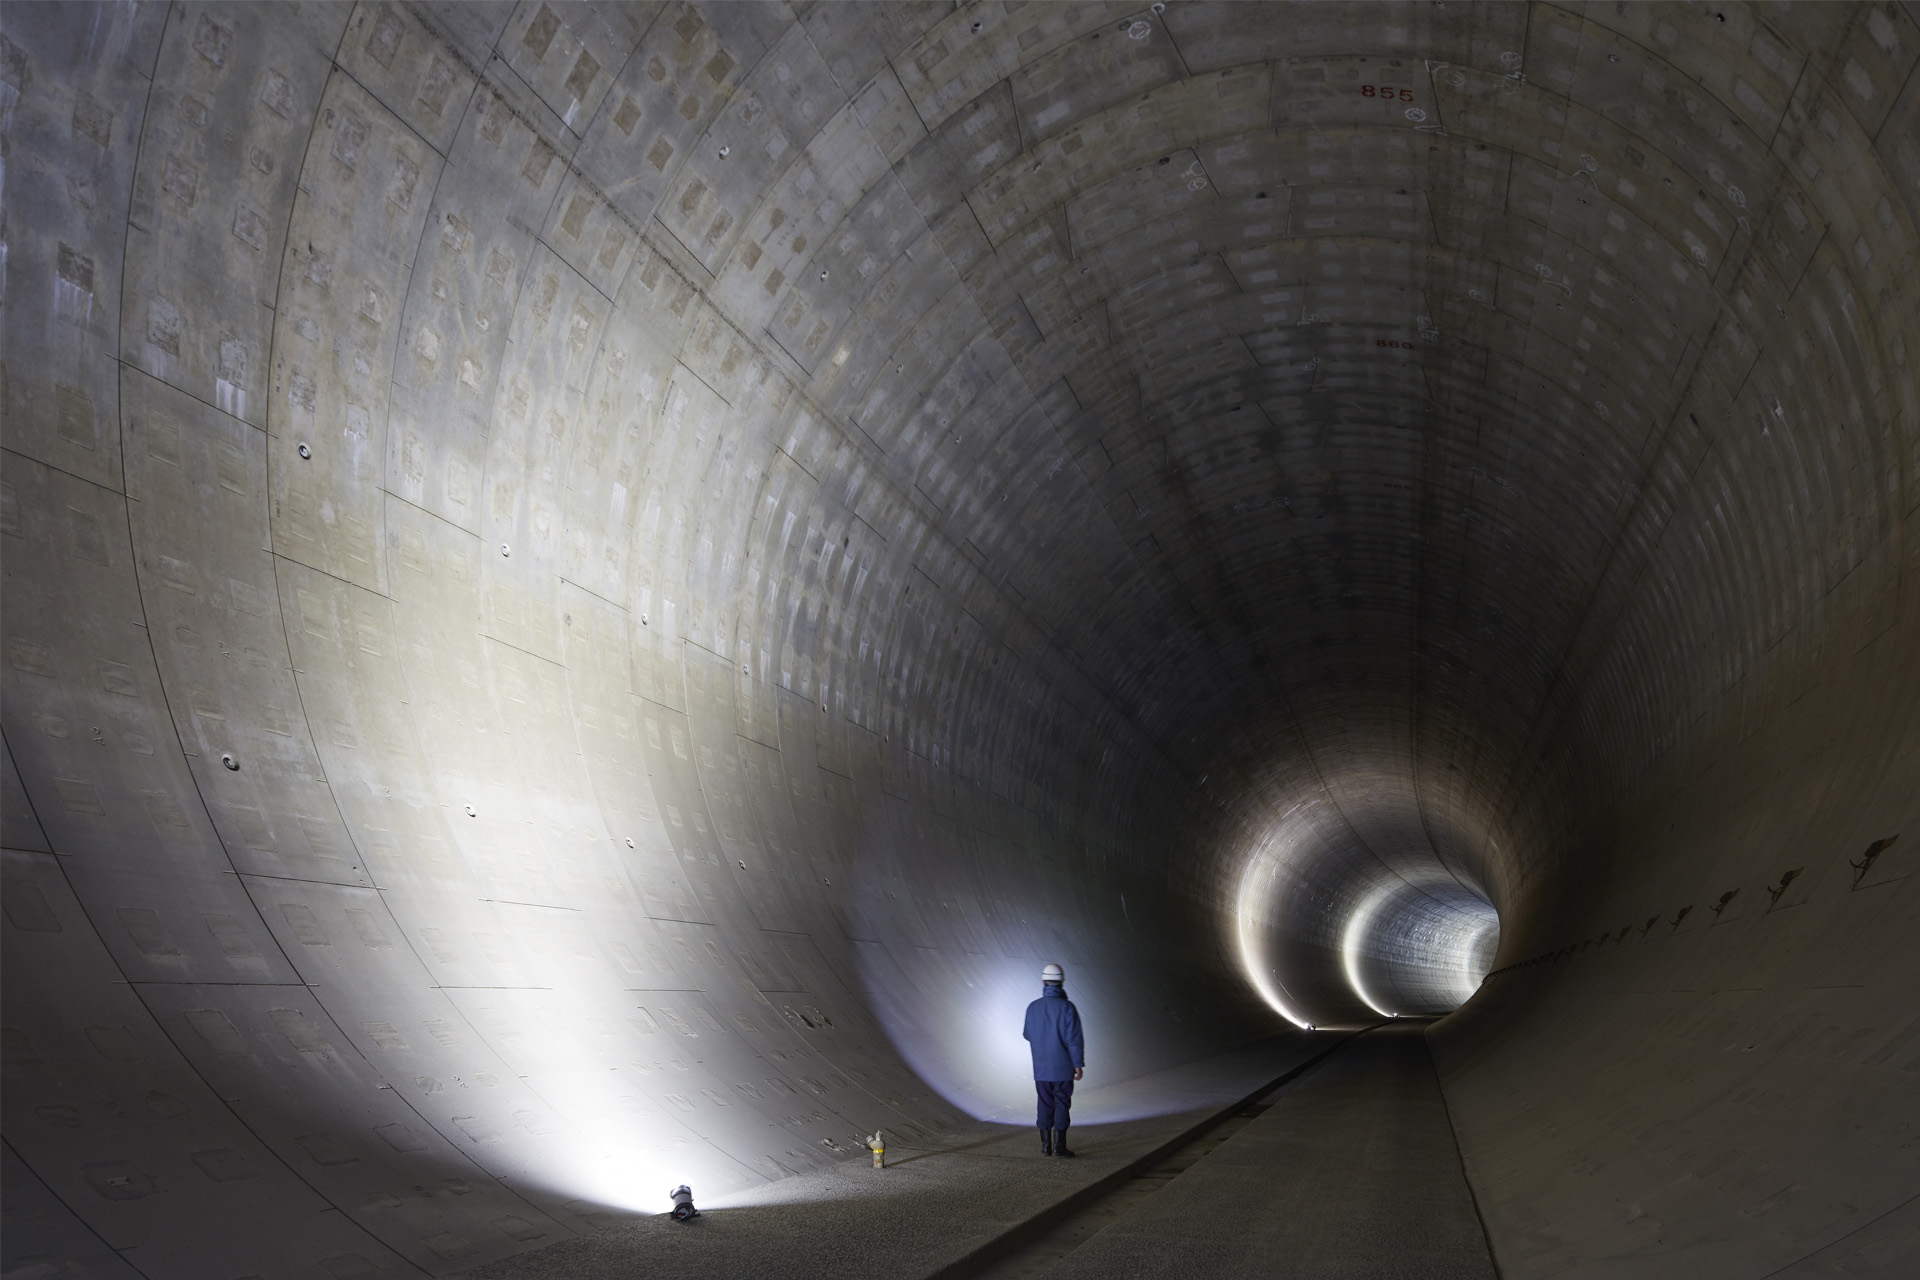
x: 591, y: 588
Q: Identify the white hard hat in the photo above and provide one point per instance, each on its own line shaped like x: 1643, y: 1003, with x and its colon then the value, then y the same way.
x: 1053, y: 973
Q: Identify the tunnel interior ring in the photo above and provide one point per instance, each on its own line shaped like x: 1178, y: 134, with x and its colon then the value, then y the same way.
x: 1303, y: 514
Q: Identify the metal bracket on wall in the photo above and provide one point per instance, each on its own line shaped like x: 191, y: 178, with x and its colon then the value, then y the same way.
x: 1867, y: 859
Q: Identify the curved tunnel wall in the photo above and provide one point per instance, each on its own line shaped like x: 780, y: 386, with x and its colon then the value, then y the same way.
x: 718, y: 538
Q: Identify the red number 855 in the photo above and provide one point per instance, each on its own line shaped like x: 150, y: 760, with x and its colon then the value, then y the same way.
x: 1387, y: 92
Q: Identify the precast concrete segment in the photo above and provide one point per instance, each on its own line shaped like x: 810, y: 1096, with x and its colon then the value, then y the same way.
x: 590, y: 589
x: 1350, y: 1171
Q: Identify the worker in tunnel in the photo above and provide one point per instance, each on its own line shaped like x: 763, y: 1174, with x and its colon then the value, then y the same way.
x: 1059, y: 1058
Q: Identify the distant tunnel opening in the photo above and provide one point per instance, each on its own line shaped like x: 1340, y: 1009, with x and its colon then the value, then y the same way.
x: 1419, y: 950
x: 1343, y: 916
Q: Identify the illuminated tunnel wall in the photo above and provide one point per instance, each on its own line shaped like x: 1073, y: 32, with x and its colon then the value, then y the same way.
x: 590, y: 589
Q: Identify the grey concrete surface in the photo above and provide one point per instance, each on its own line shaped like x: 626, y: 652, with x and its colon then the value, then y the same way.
x: 1351, y: 1171
x: 588, y: 590
x: 932, y: 1209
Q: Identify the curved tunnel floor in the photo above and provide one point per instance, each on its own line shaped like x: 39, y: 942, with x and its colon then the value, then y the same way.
x: 935, y: 1210
x: 1312, y: 1157
x: 1351, y: 1171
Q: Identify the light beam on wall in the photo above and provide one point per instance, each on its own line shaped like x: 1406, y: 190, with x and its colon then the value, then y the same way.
x: 1350, y: 942
x: 1253, y: 907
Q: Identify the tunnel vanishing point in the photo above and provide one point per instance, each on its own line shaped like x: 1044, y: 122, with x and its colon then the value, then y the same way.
x: 591, y: 588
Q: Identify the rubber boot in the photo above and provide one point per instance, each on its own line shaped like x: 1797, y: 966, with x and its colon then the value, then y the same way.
x: 1060, y: 1143
x: 1046, y: 1142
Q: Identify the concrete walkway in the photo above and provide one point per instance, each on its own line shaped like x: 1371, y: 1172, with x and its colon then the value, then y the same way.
x: 1352, y: 1171
x: 934, y: 1209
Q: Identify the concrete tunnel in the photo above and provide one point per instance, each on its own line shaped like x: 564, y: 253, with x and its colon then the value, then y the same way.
x: 590, y: 589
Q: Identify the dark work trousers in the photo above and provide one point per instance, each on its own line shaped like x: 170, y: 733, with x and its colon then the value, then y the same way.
x: 1056, y: 1096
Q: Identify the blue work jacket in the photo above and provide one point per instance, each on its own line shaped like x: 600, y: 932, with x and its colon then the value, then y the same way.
x: 1053, y: 1028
